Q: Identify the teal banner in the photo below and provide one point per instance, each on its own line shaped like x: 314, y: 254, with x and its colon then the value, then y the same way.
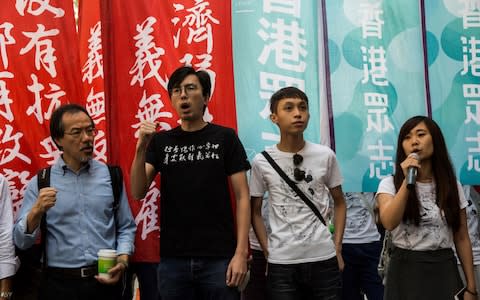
x: 453, y: 40
x: 275, y: 45
x: 377, y: 77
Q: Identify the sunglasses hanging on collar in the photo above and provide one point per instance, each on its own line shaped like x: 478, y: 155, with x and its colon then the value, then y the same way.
x: 299, y: 174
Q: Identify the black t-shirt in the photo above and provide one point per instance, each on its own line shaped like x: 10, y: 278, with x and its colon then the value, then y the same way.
x: 196, y: 215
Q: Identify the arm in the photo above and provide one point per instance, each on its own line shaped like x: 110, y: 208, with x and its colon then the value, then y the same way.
x: 464, y: 252
x: 391, y: 208
x: 340, y: 214
x: 6, y: 287
x: 258, y: 225
x: 125, y: 227
x: 34, y: 206
x: 142, y: 173
x: 46, y: 200
x: 238, y: 265
x: 125, y: 233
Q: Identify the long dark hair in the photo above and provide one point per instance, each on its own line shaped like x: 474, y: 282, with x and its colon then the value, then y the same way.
x: 442, y: 170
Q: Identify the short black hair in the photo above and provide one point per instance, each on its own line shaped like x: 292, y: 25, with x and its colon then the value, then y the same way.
x: 286, y: 92
x: 57, y: 128
x: 179, y: 75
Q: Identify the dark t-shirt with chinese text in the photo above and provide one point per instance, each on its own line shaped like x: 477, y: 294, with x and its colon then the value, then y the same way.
x: 196, y: 215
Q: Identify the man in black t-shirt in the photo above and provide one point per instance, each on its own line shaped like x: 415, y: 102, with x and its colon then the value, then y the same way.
x: 203, y: 255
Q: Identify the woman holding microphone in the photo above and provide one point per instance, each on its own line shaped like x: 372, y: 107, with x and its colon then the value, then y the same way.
x: 423, y: 206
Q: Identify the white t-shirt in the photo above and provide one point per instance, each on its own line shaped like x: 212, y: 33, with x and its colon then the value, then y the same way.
x: 360, y: 227
x: 297, y: 236
x: 8, y: 261
x: 433, y: 232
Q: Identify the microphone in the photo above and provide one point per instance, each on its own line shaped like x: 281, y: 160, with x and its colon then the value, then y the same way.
x: 412, y: 173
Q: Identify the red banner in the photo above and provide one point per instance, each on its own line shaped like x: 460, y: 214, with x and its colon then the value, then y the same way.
x: 39, y: 70
x: 91, y: 61
x: 144, y: 42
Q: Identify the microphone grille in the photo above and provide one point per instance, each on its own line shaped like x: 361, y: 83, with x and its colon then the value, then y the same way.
x: 414, y: 155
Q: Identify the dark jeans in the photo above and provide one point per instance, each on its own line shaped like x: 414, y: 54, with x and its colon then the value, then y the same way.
x: 312, y: 281
x: 360, y: 273
x: 147, y: 281
x: 58, y: 287
x: 257, y: 286
x: 26, y: 283
x: 195, y: 278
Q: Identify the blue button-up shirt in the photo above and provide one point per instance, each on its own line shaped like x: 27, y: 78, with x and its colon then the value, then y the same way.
x: 83, y: 220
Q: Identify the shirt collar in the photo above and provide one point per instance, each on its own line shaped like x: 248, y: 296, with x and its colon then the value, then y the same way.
x: 64, y: 167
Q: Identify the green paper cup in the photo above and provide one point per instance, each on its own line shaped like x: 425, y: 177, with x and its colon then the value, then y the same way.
x: 107, y: 258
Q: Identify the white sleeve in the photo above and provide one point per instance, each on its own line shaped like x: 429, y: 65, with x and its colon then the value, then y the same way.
x: 335, y: 179
x: 257, y: 183
x: 8, y: 261
x: 386, y: 186
x: 461, y: 196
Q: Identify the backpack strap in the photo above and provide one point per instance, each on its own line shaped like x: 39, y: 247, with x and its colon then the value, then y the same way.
x: 43, y: 181
x: 43, y: 177
x: 116, y: 177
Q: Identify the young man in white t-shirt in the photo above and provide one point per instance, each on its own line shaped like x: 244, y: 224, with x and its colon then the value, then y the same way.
x: 303, y: 260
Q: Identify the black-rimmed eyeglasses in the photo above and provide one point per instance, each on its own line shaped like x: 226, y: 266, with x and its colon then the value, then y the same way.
x: 187, y: 89
x: 298, y: 174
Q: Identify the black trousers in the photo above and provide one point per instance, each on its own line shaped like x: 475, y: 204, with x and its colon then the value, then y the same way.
x: 257, y: 286
x: 57, y: 287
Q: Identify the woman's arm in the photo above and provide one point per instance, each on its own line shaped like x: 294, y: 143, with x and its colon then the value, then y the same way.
x: 391, y: 208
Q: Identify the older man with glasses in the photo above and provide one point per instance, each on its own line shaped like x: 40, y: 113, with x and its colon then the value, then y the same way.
x: 303, y: 261
x: 81, y: 214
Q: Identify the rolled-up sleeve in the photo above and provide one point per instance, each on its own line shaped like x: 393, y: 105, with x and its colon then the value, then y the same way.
x: 8, y: 261
x: 21, y: 238
x: 126, y: 226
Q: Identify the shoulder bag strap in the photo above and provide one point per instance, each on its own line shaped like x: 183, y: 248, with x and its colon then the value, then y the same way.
x: 294, y: 187
x: 43, y: 181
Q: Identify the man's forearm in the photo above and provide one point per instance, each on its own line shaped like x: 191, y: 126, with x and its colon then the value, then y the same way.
x: 340, y: 213
x: 243, y: 226
x: 33, y: 219
x: 138, y: 177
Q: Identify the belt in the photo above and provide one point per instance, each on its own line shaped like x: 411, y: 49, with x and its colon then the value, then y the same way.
x: 84, y: 272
